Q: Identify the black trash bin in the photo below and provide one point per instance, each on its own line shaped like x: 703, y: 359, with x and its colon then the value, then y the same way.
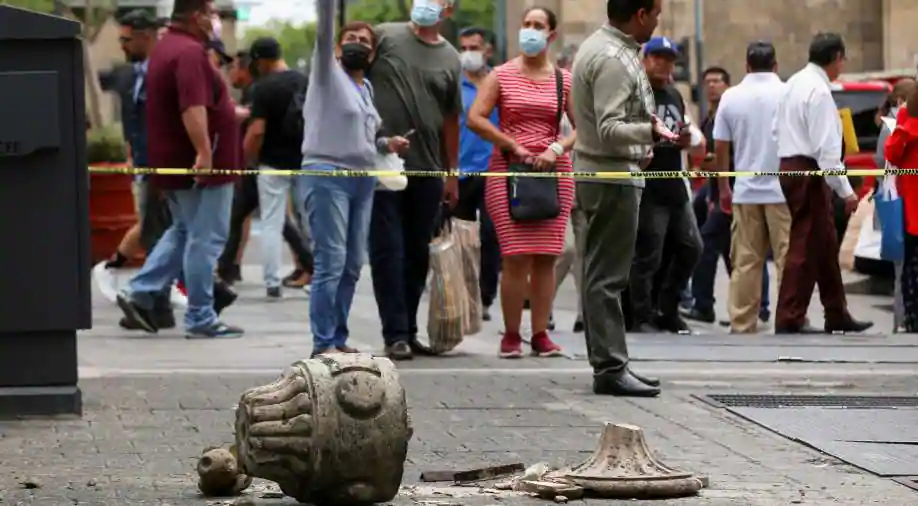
x: 44, y: 213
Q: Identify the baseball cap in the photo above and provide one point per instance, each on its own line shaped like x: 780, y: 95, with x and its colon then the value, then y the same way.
x: 140, y: 19
x: 265, y: 48
x: 661, y: 45
x: 218, y: 46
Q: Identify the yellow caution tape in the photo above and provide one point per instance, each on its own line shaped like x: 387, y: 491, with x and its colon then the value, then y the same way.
x: 674, y: 174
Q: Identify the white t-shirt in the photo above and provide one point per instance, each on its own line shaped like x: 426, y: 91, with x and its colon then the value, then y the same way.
x: 745, y: 117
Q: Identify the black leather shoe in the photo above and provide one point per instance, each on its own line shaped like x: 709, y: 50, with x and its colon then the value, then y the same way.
x: 672, y: 323
x: 224, y: 296
x: 645, y: 328
x: 851, y: 326
x: 622, y: 384
x: 654, y: 382
x: 698, y: 316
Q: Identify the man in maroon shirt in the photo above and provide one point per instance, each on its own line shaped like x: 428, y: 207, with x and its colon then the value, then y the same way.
x: 191, y: 123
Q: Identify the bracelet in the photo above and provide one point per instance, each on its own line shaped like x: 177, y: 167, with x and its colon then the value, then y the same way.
x: 556, y: 148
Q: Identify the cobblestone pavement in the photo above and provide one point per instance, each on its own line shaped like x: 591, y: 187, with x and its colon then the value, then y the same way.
x: 152, y: 404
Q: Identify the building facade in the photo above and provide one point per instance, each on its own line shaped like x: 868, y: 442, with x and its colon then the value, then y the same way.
x: 880, y: 34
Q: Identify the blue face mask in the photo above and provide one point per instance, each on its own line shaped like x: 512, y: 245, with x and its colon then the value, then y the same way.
x: 426, y: 12
x: 532, y: 41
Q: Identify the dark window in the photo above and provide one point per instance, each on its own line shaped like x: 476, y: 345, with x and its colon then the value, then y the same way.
x: 863, y: 105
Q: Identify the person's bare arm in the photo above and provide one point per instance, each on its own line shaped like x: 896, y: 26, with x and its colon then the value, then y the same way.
x: 568, y: 142
x: 254, y: 138
x: 195, y: 121
x: 722, y: 164
x: 479, y: 121
x: 451, y: 141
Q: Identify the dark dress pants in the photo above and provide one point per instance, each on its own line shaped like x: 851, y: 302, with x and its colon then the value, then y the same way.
x: 401, y: 229
x: 812, y: 254
x: 471, y: 207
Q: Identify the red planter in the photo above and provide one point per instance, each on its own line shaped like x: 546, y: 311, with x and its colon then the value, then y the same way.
x: 111, y: 210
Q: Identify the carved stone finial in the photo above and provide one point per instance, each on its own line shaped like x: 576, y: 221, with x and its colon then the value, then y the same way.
x: 332, y: 430
x: 220, y: 475
x: 623, y: 467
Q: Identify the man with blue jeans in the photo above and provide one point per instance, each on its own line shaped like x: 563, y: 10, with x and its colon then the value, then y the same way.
x: 190, y: 123
x: 474, y: 158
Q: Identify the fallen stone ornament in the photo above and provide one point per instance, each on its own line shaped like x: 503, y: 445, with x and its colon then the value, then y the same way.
x: 623, y: 467
x: 332, y: 430
x: 219, y: 474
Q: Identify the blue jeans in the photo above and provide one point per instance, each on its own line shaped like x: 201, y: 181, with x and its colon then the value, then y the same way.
x: 188, y: 249
x: 338, y: 211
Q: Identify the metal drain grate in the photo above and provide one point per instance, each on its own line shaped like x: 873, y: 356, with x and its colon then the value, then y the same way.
x: 815, y: 401
x: 908, y: 481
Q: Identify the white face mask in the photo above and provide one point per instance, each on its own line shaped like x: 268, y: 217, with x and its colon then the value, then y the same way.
x: 472, y: 61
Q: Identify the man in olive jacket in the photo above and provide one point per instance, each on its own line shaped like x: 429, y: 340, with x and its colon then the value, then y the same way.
x: 616, y: 130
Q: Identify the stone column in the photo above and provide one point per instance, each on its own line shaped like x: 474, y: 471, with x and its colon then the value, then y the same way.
x: 333, y: 430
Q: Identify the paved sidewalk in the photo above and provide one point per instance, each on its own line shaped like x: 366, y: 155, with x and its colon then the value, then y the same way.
x: 138, y: 441
x: 153, y: 403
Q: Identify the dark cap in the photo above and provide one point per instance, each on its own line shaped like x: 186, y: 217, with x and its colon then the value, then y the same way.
x: 220, y: 48
x: 140, y: 19
x: 761, y: 56
x: 265, y: 48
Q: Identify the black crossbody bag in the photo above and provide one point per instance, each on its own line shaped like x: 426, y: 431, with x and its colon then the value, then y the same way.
x: 536, y: 198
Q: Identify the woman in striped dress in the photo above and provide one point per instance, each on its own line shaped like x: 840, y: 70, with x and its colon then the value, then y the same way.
x: 525, y: 92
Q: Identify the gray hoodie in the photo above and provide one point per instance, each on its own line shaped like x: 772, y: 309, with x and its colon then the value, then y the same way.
x: 340, y: 121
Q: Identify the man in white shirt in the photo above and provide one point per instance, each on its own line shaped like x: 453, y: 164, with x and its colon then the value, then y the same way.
x: 761, y: 219
x: 809, y: 135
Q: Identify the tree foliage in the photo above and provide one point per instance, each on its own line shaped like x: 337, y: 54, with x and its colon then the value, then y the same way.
x: 478, y: 13
x: 35, y: 5
x: 298, y: 40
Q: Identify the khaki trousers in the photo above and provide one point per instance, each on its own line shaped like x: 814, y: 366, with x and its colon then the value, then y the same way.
x: 756, y: 228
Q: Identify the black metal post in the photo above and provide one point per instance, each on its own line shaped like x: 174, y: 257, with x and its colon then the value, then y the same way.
x: 342, y: 13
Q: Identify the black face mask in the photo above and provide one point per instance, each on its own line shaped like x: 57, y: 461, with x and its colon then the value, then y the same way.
x: 355, y: 56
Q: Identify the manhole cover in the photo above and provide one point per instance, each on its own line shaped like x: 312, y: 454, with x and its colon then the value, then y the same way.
x: 816, y: 401
x: 908, y: 481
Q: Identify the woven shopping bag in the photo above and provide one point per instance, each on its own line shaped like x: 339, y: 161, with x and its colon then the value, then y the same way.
x: 466, y: 234
x: 447, y: 293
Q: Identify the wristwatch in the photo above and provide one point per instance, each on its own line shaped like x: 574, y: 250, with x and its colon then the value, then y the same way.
x: 556, y: 148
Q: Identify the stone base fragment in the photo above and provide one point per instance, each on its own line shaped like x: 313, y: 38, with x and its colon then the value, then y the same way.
x: 220, y: 475
x: 623, y: 467
x: 332, y: 430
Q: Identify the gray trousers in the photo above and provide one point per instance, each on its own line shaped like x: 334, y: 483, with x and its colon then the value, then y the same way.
x: 611, y: 215
x: 675, y: 230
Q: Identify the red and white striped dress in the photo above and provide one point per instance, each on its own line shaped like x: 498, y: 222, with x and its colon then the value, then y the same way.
x: 528, y: 113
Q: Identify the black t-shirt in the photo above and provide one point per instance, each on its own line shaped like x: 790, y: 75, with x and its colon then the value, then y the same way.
x: 271, y: 98
x: 707, y: 128
x: 667, y: 156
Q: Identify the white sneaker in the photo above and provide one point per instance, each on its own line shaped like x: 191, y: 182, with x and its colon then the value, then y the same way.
x: 178, y: 298
x: 106, y: 280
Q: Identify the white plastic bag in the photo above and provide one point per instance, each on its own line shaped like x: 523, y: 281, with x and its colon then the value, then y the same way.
x: 391, y: 163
